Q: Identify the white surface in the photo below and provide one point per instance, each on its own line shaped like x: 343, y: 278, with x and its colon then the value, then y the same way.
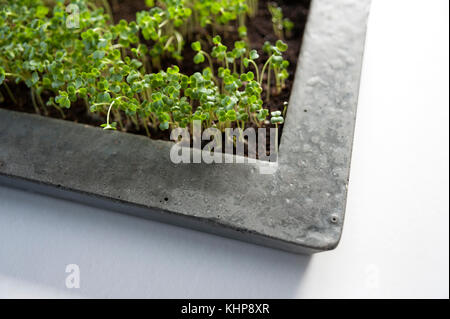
x: 396, y: 237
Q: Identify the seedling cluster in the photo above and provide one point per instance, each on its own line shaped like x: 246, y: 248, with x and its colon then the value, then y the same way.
x: 115, y: 70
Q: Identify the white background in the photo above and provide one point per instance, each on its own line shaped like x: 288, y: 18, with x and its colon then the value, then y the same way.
x: 396, y: 236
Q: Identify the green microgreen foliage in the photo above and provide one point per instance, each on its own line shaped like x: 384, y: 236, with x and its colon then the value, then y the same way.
x: 288, y: 26
x: 115, y: 69
x: 170, y: 22
x: 277, y: 65
x: 200, y: 56
x: 276, y: 118
x: 242, y: 88
x: 281, y: 26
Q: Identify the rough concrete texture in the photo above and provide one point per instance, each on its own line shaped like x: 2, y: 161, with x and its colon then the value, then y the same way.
x: 299, y: 208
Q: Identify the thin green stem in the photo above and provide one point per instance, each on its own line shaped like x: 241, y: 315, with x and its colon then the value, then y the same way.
x: 162, y: 24
x: 135, y: 120
x: 119, y: 118
x: 33, y: 100
x: 211, y: 65
x: 169, y: 42
x: 60, y: 111
x: 14, y: 74
x: 109, y: 114
x: 10, y: 94
x: 179, y: 37
x: 264, y: 69
x: 257, y: 70
x: 144, y: 122
x: 41, y: 102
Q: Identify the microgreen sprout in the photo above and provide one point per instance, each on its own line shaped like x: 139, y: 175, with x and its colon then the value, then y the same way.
x: 252, y: 7
x: 200, y: 56
x: 108, y: 125
x: 275, y: 64
x: 281, y: 25
x: 276, y: 119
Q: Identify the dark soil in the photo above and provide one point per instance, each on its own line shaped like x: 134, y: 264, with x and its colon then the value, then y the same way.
x: 260, y: 30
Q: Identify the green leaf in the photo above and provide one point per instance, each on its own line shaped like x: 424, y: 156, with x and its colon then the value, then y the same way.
x: 231, y: 115
x: 277, y: 120
x: 288, y: 24
x: 196, y: 46
x: 262, y: 115
x: 71, y: 90
x: 242, y: 31
x: 276, y: 113
x: 217, y: 40
x: 199, y: 58
x: 254, y: 55
x: 83, y: 93
x: 281, y: 46
x: 103, y: 97
x: 34, y: 78
x: 164, y: 126
x: 41, y: 11
x: 98, y: 55
x: 109, y: 127
x: 136, y: 64
x: 173, y: 70
x: 63, y: 101
x: 239, y: 45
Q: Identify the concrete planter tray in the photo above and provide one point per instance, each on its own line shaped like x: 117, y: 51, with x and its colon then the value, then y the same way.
x: 299, y: 207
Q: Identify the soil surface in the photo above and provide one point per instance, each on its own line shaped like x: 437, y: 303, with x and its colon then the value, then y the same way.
x: 260, y: 30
